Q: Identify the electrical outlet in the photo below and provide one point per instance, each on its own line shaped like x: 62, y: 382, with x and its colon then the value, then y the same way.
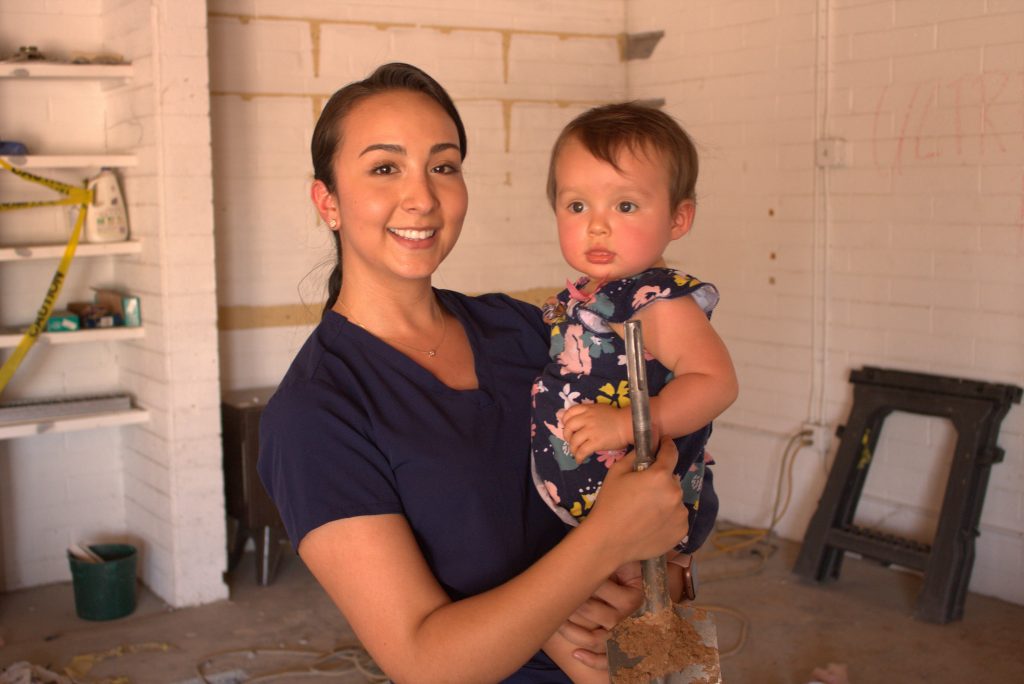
x: 830, y: 153
x: 820, y: 435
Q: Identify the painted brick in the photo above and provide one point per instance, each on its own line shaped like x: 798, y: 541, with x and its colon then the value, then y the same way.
x: 1001, y: 298
x: 953, y: 323
x: 917, y: 348
x: 936, y: 237
x: 892, y: 317
x: 900, y: 132
x: 979, y: 31
x: 741, y: 12
x: 994, y: 268
x: 1004, y: 210
x: 1004, y: 58
x: 937, y: 64
x: 861, y: 18
x: 913, y: 40
x: 915, y: 12
x: 867, y: 341
x: 1003, y: 507
x: 1000, y: 358
x: 928, y: 292
x: 743, y: 61
x: 864, y: 73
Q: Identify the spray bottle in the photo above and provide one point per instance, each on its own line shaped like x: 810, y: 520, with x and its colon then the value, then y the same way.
x: 107, y: 218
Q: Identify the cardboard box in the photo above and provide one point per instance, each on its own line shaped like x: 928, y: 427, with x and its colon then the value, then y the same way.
x: 62, y: 321
x: 126, y: 308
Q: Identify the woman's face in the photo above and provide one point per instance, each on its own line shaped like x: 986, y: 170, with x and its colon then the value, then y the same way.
x: 400, y: 195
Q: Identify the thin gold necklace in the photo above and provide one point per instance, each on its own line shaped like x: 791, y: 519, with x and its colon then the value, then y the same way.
x: 429, y: 352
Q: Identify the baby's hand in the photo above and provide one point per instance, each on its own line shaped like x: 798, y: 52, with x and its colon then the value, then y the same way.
x: 596, y: 427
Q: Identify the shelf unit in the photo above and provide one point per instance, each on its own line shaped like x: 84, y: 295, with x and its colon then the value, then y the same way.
x: 20, y: 253
x: 71, y: 161
x: 58, y: 70
x: 12, y: 339
x: 88, y: 421
x: 56, y: 251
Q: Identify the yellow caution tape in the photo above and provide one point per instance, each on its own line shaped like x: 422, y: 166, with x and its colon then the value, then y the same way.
x: 76, y: 196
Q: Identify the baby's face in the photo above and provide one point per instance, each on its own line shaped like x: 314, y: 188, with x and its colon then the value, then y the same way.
x: 614, y: 223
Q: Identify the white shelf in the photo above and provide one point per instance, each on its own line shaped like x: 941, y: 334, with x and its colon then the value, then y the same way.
x: 37, y: 69
x: 71, y: 161
x: 88, y: 421
x: 84, y: 249
x: 105, y: 76
x: 9, y: 339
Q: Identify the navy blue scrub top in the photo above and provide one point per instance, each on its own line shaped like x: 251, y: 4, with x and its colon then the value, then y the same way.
x: 357, y: 428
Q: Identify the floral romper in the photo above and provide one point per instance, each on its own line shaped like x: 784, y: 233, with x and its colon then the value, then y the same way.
x: 588, y: 364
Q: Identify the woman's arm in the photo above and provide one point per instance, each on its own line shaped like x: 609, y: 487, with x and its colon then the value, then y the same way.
x: 586, y: 630
x: 373, y: 570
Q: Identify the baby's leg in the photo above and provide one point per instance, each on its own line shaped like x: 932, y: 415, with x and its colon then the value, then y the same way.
x: 559, y: 649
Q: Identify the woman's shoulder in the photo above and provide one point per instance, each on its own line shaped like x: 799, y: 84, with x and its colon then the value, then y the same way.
x: 322, y: 372
x: 494, y: 309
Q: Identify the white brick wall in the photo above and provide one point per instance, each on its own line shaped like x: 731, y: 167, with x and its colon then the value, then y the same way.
x: 921, y: 269
x: 266, y: 95
x: 156, y: 485
x: 174, y: 371
x: 923, y: 230
x: 56, y: 489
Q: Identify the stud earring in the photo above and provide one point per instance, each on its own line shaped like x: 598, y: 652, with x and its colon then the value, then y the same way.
x: 333, y: 224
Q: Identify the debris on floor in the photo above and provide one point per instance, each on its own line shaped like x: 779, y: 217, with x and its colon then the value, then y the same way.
x: 835, y: 673
x: 347, y: 658
x: 81, y: 665
x: 27, y: 673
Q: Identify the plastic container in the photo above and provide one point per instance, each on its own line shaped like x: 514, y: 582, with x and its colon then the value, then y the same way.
x: 105, y: 591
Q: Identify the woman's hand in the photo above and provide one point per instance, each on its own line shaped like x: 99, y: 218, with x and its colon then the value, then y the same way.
x: 640, y: 515
x: 588, y: 627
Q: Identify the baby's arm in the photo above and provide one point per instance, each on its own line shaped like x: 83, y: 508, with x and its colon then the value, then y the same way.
x: 678, y: 334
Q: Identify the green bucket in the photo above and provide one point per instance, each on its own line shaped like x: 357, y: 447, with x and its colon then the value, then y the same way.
x: 105, y: 591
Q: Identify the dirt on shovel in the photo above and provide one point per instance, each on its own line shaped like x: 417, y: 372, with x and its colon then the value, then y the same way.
x: 665, y: 644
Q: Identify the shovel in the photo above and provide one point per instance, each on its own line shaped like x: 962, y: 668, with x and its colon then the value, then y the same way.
x: 661, y: 643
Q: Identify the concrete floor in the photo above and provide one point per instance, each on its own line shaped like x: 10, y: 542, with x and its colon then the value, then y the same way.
x: 864, y: 620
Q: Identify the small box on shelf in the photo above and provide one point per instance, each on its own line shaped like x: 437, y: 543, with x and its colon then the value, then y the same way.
x: 63, y: 321
x: 125, y: 306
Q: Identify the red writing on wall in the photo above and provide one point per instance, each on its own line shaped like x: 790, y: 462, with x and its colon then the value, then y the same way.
x: 946, y: 120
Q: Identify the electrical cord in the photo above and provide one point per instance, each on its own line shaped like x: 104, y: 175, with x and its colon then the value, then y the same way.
x: 355, y: 658
x: 744, y: 622
x: 358, y: 659
x: 755, y: 538
x: 779, y: 507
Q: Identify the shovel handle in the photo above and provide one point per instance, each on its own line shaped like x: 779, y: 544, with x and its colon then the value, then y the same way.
x: 655, y: 570
x: 639, y: 395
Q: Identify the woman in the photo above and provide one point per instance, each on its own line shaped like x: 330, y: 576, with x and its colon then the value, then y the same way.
x: 397, y: 446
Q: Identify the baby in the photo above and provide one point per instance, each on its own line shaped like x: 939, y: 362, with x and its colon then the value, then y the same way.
x: 621, y: 181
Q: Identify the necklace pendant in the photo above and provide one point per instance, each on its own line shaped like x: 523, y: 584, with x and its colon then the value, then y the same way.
x: 432, y: 353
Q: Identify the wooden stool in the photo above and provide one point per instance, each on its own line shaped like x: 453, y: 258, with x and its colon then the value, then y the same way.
x: 247, y: 502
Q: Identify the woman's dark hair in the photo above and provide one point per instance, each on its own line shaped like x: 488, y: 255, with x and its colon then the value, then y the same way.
x: 327, y: 134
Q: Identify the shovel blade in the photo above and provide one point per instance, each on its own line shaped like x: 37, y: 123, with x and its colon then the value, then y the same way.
x: 632, y: 669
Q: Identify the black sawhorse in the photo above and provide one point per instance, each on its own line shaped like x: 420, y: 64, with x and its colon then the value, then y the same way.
x: 976, y: 410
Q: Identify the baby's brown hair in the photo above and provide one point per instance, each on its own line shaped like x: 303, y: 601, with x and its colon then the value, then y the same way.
x: 643, y: 130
